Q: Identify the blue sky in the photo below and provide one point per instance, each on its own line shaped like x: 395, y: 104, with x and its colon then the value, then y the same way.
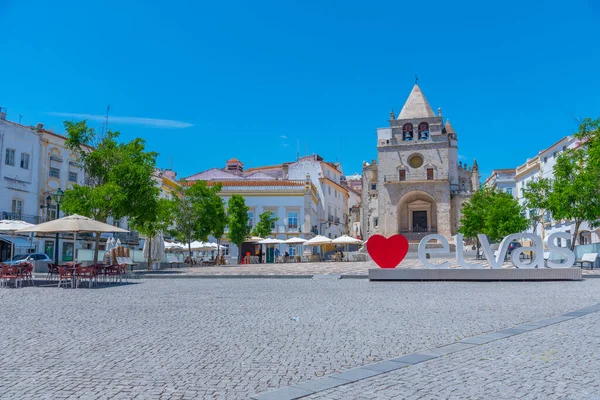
x: 206, y: 81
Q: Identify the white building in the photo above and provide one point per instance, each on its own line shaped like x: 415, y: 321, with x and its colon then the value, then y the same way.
x: 295, y: 202
x: 542, y: 166
x: 333, y: 204
x: 19, y: 171
x: 19, y: 180
x: 504, y: 180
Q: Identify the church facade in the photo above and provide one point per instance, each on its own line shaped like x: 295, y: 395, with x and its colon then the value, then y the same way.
x: 417, y: 185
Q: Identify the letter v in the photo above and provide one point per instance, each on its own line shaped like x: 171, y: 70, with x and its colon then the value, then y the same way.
x: 494, y: 262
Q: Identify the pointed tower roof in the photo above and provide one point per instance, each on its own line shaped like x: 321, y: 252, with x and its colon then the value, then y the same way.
x: 449, y: 128
x: 475, y: 166
x: 416, y: 106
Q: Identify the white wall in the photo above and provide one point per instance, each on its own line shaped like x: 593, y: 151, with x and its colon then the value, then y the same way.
x: 329, y: 200
x: 278, y: 204
x: 17, y: 183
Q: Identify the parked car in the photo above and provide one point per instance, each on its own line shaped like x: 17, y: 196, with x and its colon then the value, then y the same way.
x: 21, y: 258
x: 512, y: 246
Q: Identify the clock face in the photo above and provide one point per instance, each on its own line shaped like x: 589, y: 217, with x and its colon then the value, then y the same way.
x: 415, y: 161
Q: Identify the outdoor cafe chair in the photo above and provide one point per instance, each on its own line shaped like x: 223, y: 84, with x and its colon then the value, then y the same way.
x: 124, y: 272
x: 26, y: 272
x: 65, y: 275
x: 9, y: 272
x: 113, y: 271
x: 52, y: 272
x: 85, y: 274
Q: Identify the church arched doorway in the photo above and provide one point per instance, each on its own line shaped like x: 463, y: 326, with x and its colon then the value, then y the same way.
x: 417, y: 215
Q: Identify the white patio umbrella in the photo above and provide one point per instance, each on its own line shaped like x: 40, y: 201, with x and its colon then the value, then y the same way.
x: 157, y: 252
x: 11, y: 226
x: 196, y: 245
x: 110, y: 244
x: 295, y: 241
x: 346, y: 240
x: 73, y: 224
x: 318, y: 240
x: 172, y: 246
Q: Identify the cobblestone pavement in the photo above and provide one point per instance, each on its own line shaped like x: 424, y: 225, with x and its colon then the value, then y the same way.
x: 557, y: 362
x: 232, y: 338
x: 328, y: 268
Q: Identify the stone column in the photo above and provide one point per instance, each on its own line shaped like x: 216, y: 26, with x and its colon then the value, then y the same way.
x: 444, y: 219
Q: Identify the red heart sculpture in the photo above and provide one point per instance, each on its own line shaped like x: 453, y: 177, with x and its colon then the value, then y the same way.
x: 387, y: 252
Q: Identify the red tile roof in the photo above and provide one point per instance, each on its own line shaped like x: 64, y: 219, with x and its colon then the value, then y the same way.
x: 289, y: 183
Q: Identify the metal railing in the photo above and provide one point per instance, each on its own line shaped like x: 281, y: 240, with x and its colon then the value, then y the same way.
x: 407, y: 177
x: 292, y: 228
x: 32, y: 219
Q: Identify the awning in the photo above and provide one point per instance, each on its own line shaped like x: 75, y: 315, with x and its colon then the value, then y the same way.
x: 20, y: 242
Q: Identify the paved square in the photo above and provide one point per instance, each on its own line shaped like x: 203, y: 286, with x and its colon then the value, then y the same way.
x: 234, y: 338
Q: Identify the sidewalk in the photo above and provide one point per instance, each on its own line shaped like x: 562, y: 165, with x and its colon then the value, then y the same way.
x: 351, y: 269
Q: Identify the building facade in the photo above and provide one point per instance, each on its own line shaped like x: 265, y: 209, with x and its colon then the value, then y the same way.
x: 542, y: 166
x: 328, y: 179
x: 19, y: 171
x: 504, y: 180
x: 417, y: 185
x: 295, y: 202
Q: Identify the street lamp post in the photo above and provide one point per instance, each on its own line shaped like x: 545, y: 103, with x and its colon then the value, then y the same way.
x: 57, y: 197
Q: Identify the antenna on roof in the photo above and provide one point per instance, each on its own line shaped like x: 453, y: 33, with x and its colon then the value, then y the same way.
x: 20, y: 118
x: 171, y: 163
x: 416, y: 79
x: 298, y: 152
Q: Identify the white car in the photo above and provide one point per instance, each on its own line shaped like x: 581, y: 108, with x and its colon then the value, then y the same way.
x: 21, y: 258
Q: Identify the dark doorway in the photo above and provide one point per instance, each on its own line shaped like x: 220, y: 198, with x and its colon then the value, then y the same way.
x: 419, y: 221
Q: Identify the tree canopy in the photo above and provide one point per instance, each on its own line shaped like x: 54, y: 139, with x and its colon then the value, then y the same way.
x: 575, y: 193
x: 264, y: 227
x: 237, y: 215
x: 536, y: 194
x: 493, y: 213
x: 118, y: 177
x: 197, y: 210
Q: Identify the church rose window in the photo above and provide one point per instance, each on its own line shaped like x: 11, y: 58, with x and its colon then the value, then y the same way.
x: 415, y: 161
x: 407, y: 132
x: 423, y: 131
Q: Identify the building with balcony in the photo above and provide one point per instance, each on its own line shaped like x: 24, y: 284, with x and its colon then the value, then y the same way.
x: 543, y: 223
x: 19, y: 171
x: 504, y: 180
x: 417, y: 185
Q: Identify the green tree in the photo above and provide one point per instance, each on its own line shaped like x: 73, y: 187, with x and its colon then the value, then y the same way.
x: 238, y: 221
x: 197, y: 213
x: 118, y: 177
x: 575, y: 194
x: 219, y: 222
x: 264, y: 227
x: 493, y: 213
x: 536, y: 195
x: 162, y: 219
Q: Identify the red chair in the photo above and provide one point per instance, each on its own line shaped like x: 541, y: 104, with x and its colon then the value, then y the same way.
x: 114, y: 271
x: 65, y: 275
x: 83, y: 274
x: 9, y: 272
x: 52, y: 271
x: 26, y: 271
